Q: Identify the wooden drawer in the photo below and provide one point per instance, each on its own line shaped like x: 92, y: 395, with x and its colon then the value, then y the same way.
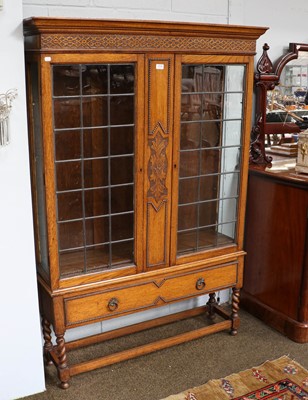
x: 148, y: 294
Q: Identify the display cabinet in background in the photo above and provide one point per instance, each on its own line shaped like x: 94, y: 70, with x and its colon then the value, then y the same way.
x: 276, y: 240
x: 276, y: 233
x: 139, y: 139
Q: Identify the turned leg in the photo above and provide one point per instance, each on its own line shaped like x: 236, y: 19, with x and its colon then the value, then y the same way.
x: 211, y: 303
x: 235, y: 308
x: 47, y: 341
x: 63, y: 370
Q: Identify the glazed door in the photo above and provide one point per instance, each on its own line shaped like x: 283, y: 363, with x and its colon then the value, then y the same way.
x: 208, y: 154
x: 92, y: 162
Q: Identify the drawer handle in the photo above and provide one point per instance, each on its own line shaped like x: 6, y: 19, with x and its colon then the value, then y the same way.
x: 113, y: 304
x: 200, y: 284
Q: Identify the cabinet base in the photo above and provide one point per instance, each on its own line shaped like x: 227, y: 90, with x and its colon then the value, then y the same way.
x: 294, y: 330
x: 65, y: 371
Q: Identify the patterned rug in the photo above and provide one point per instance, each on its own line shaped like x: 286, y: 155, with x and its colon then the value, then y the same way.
x: 282, y: 379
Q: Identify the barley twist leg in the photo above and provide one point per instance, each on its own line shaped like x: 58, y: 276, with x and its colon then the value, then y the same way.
x: 47, y: 341
x: 63, y: 370
x: 235, y: 309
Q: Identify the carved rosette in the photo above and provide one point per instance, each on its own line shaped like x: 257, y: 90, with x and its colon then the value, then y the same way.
x: 157, y: 167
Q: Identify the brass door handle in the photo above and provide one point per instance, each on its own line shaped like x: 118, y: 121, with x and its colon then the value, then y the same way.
x: 113, y: 304
x: 200, y: 284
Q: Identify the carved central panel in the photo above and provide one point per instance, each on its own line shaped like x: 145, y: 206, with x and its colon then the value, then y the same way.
x: 157, y: 167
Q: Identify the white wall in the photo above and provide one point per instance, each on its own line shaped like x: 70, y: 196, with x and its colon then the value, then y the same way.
x: 178, y: 10
x: 287, y: 22
x: 21, y: 368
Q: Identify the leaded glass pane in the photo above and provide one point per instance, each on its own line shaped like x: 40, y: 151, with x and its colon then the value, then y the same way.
x: 210, y: 155
x: 94, y: 129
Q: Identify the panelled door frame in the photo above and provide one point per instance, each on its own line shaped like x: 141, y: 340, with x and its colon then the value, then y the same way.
x: 47, y: 60
x: 181, y: 59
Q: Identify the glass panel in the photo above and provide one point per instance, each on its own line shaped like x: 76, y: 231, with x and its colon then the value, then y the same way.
x: 122, y: 199
x: 66, y: 113
x: 189, y: 163
x: 70, y: 235
x: 121, y: 110
x: 96, y: 202
x: 122, y: 227
x: 211, y: 134
x: 233, y: 105
x: 187, y: 241
x: 122, y: 170
x: 190, y: 135
x: 94, y: 114
x: 188, y: 190
x: 69, y: 206
x: 208, y: 213
x: 235, y: 75
x: 231, y: 159
x: 66, y: 80
x: 68, y: 145
x: 212, y: 106
x: 228, y: 210
x: 122, y: 140
x: 188, y: 217
x: 97, y: 230
x: 210, y: 161
x: 97, y: 257
x: 68, y: 175
x: 209, y: 186
x: 210, y: 151
x: 191, y: 107
x: 226, y: 233
x: 96, y: 172
x: 95, y: 142
x: 122, y: 253
x: 229, y: 185
x: 72, y: 261
x: 95, y: 111
x: 121, y: 79
x: 94, y: 79
x: 207, y: 237
x: 232, y: 133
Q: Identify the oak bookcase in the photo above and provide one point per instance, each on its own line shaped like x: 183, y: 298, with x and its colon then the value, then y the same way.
x: 139, y: 142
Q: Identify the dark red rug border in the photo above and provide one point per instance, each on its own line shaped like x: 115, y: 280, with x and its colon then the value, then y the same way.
x: 276, y: 388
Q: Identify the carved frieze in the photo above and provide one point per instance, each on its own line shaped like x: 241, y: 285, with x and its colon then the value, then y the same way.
x: 144, y: 43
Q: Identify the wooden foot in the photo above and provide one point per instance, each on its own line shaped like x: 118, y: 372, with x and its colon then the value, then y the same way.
x: 63, y: 370
x: 47, y: 341
x: 235, y: 308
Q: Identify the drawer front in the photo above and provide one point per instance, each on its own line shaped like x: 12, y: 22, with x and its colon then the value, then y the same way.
x: 149, y: 294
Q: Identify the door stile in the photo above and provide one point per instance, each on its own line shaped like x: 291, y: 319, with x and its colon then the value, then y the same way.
x: 176, y: 157
x: 139, y: 162
x: 247, y: 111
x: 158, y: 156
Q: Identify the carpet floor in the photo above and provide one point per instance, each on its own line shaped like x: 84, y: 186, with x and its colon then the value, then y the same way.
x: 158, y: 375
